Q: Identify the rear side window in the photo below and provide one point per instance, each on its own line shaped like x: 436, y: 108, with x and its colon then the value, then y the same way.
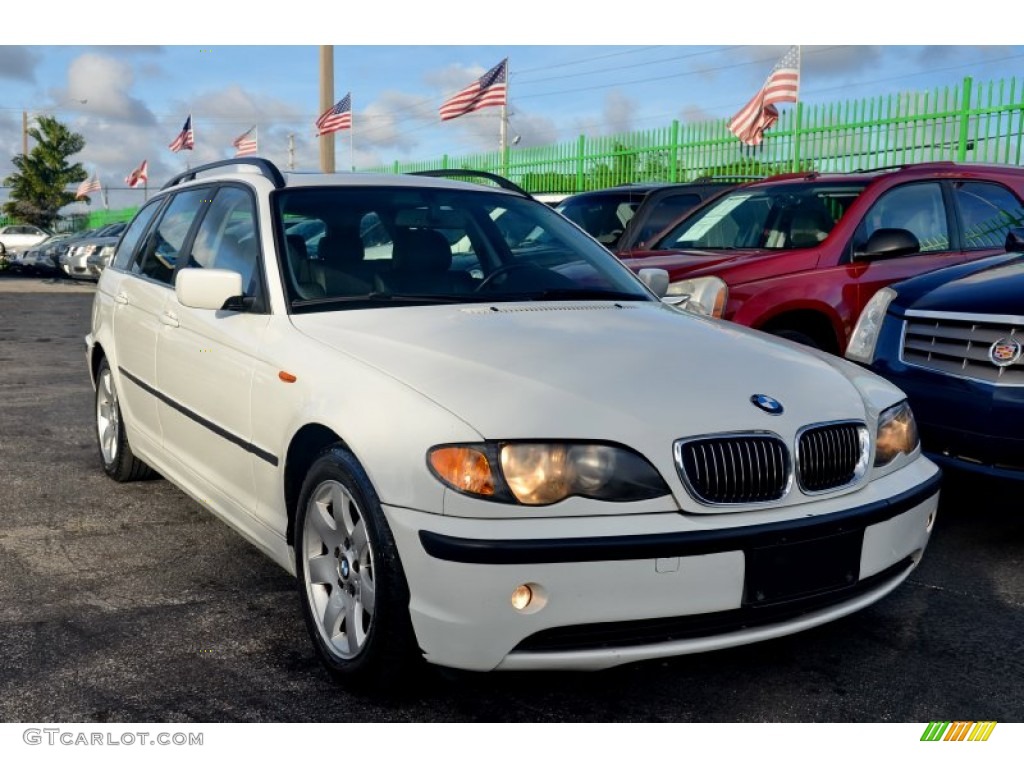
x: 131, y: 238
x: 987, y: 212
x: 163, y: 244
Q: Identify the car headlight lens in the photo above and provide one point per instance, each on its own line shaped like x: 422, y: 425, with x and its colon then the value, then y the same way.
x: 107, y: 251
x: 869, y: 325
x: 704, y: 295
x: 897, y: 434
x: 545, y: 473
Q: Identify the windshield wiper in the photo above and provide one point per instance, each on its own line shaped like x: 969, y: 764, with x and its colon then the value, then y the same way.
x: 380, y: 297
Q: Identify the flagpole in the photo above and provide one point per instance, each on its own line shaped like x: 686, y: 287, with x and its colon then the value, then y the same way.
x: 352, y: 135
x: 503, y: 139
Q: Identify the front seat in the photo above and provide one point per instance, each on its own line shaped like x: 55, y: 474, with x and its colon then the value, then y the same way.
x: 421, y: 262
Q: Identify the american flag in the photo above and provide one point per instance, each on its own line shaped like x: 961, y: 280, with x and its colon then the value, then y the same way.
x: 139, y: 176
x: 87, y: 186
x: 246, y: 144
x: 185, y: 139
x: 337, y: 118
x: 489, y: 91
x: 760, y: 112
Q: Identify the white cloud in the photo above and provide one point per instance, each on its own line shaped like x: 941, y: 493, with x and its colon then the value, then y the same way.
x: 104, y: 84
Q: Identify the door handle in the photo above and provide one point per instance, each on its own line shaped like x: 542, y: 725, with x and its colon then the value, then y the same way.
x: 121, y: 298
x: 169, y: 318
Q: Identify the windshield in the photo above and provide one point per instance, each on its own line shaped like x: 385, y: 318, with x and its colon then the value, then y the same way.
x: 789, y: 216
x: 373, y: 246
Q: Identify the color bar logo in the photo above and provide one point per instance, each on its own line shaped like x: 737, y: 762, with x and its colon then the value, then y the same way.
x: 959, y: 730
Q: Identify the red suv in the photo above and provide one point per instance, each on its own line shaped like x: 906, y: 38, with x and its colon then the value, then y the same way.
x: 799, y: 255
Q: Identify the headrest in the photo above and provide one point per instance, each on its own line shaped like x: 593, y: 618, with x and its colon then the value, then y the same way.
x: 343, y: 247
x: 421, y: 250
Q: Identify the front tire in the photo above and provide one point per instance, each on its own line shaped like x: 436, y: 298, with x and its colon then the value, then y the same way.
x: 115, y: 452
x: 355, y: 599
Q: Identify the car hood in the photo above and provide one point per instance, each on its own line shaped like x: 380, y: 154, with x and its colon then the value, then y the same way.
x: 993, y: 286
x: 642, y: 374
x: 679, y: 263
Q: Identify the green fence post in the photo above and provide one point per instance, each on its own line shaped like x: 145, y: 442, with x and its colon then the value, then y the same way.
x: 965, y: 119
x: 673, y: 159
x: 581, y: 147
x: 444, y: 162
x: 796, y: 135
x: 395, y: 167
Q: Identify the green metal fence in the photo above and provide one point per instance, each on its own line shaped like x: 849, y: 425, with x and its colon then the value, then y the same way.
x: 968, y: 122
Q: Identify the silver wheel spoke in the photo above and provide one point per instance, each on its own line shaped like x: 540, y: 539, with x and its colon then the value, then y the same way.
x: 322, y: 569
x: 367, y: 593
x: 353, y: 625
x: 359, y: 539
x: 342, y: 507
x: 323, y: 525
x: 332, y: 614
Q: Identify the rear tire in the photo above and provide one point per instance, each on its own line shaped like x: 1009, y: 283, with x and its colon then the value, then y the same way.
x: 354, y: 595
x: 115, y: 452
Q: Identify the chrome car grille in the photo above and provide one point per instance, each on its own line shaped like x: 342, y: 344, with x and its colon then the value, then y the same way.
x: 734, y: 469
x: 830, y: 456
x: 960, y: 347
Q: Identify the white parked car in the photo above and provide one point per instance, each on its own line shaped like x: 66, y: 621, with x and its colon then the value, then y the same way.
x: 17, y: 238
x: 541, y: 467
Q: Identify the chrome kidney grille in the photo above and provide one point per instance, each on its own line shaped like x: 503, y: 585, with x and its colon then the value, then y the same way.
x: 734, y: 469
x: 830, y: 456
x: 754, y: 468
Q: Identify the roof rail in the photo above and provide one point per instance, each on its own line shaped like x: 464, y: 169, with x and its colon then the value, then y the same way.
x: 501, y: 181
x: 267, y: 168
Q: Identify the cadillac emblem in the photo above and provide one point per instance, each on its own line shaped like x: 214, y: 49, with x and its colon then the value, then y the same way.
x: 1005, y: 352
x: 769, y: 404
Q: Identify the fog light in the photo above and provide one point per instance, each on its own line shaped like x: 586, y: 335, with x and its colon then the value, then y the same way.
x: 521, y: 597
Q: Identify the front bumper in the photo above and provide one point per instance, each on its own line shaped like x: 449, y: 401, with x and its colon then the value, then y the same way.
x: 640, y: 587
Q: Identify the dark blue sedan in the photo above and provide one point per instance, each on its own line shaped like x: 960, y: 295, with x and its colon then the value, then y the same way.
x: 953, y: 340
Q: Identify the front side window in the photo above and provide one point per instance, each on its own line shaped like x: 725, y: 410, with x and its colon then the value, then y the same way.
x: 160, y: 252
x: 987, y: 211
x: 227, y: 238
x: 384, y: 246
x: 779, y: 216
x: 917, y: 208
x: 131, y: 238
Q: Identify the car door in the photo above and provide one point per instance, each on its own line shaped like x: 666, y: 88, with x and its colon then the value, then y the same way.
x: 206, y: 358
x: 140, y: 298
x: 920, y: 208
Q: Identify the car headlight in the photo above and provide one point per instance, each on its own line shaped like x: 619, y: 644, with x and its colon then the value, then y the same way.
x: 545, y: 473
x: 861, y: 347
x: 704, y: 295
x: 107, y: 251
x: 897, y: 434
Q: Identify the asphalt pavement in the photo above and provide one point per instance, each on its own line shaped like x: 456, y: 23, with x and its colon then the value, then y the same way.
x: 130, y: 603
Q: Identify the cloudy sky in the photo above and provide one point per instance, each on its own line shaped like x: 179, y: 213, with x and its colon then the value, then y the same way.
x: 129, y: 97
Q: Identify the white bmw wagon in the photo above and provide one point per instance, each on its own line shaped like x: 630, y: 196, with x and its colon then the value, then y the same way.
x: 477, y: 439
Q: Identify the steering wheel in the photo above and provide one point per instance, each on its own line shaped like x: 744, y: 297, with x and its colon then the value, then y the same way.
x: 504, y: 269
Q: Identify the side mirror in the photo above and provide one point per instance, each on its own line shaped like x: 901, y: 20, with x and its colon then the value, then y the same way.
x: 1015, y: 240
x: 207, y: 288
x: 656, y: 280
x: 889, y: 244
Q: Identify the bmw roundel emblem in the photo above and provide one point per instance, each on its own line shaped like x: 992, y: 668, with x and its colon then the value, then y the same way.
x: 767, y: 404
x: 1005, y: 352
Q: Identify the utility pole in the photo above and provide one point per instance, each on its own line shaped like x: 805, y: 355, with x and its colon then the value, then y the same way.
x: 291, y: 151
x: 326, y: 102
x: 24, y: 132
